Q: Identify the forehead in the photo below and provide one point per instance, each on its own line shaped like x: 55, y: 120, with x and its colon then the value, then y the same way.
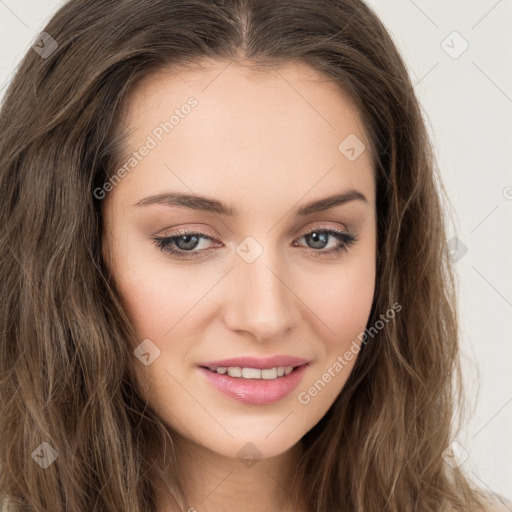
x: 243, y: 95
x: 274, y: 127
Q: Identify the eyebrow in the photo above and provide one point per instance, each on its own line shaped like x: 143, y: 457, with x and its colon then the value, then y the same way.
x: 196, y: 202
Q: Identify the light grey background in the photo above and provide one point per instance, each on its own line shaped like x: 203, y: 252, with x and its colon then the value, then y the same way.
x: 467, y: 98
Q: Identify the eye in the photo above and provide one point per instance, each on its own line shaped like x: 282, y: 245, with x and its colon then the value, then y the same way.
x: 183, y: 244
x: 319, y: 238
x: 187, y: 244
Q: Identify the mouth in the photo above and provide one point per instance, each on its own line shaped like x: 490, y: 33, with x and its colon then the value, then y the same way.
x: 255, y: 381
x: 238, y: 372
x: 252, y: 364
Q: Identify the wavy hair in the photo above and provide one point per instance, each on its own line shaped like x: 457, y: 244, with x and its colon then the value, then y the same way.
x: 67, y: 372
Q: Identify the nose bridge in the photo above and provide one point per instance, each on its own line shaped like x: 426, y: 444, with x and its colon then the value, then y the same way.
x: 261, y: 303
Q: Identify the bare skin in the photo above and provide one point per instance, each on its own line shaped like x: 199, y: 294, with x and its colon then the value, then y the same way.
x: 265, y: 143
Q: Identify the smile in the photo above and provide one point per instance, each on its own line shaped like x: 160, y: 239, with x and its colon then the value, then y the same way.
x: 253, y: 373
x: 255, y: 386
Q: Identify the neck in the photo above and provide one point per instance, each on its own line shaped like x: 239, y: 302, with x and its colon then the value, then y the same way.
x: 214, y: 483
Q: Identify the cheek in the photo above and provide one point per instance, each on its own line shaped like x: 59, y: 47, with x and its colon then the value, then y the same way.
x: 160, y: 305
x: 156, y: 292
x: 341, y: 297
x: 348, y: 304
x: 343, y: 303
x: 159, y: 302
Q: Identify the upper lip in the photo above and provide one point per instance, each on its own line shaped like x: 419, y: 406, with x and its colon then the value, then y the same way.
x: 261, y: 363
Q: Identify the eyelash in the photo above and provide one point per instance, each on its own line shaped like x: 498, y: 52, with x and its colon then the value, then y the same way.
x: 164, y: 242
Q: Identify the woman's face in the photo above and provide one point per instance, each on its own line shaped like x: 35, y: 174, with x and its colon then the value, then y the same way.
x: 255, y: 153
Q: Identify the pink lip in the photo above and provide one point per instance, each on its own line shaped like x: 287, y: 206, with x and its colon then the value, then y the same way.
x: 256, y: 362
x: 255, y: 391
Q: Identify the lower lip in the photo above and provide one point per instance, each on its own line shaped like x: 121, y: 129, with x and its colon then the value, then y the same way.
x: 255, y: 391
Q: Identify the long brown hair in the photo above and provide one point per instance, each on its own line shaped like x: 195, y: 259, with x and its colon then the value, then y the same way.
x: 67, y: 375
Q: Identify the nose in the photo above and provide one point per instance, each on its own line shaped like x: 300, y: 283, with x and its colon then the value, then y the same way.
x: 262, y: 301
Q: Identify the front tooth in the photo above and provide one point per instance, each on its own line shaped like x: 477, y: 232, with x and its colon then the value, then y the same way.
x: 254, y: 373
x: 251, y: 373
x: 270, y: 373
x: 235, y: 371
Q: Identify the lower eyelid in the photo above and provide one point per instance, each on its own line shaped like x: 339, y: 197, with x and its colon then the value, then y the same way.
x: 338, y: 235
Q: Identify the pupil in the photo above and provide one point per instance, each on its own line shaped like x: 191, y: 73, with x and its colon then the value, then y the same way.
x: 318, y: 239
x: 187, y: 239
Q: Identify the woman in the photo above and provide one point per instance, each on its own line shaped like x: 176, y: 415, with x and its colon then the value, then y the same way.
x: 223, y: 268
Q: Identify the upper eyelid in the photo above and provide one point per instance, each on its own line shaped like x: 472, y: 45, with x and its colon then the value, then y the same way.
x: 345, y: 241
x: 206, y: 234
